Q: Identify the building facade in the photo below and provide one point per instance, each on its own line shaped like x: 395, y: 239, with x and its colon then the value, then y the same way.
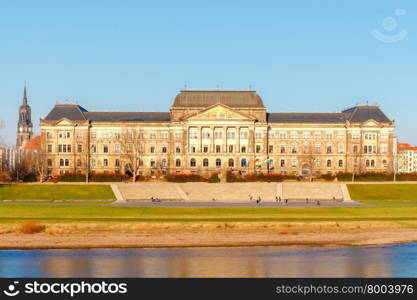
x: 407, y: 158
x: 216, y: 131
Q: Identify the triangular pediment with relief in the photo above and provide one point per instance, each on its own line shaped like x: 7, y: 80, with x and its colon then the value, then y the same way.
x: 218, y: 112
x: 64, y: 121
x: 370, y: 123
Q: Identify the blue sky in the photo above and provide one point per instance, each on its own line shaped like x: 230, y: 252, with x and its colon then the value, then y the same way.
x: 136, y: 55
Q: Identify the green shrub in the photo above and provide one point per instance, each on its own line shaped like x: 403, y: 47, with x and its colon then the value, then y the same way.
x: 406, y: 177
x: 71, y: 177
x: 107, y: 177
x: 185, y: 178
x: 30, y: 178
x: 214, y: 178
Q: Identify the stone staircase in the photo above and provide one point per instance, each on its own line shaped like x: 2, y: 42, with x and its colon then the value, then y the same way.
x: 299, y: 191
x: 143, y: 191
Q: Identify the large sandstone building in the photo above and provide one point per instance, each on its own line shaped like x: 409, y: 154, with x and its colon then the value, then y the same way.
x: 216, y: 131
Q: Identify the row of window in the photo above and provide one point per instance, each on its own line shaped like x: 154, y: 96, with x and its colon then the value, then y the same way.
x: 369, y: 163
x: 218, y: 135
x: 367, y: 149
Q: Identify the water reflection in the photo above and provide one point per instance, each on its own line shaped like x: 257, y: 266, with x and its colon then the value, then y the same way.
x: 389, y: 261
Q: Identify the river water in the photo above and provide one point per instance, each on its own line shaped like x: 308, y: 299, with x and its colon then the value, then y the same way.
x: 387, y: 261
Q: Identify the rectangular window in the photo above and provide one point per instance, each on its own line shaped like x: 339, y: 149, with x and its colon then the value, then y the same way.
x: 230, y: 135
x: 282, y: 135
x: 243, y: 134
x: 306, y: 135
x: 317, y: 134
x: 258, y: 148
x: 79, y: 148
x: 152, y: 149
x: 230, y: 148
x: 105, y: 135
x: 164, y: 135
x: 271, y: 149
x: 152, y: 135
x: 355, y: 136
x: 329, y: 135
x: 178, y: 135
x: 117, y: 148
x: 105, y: 148
x: 178, y: 149
x: 340, y: 148
x: 243, y: 149
x: 93, y: 135
x: 205, y: 148
x: 218, y: 148
x: 217, y: 134
x: 49, y: 148
x: 258, y: 135
x: 205, y: 134
x: 294, y: 135
x: 318, y: 148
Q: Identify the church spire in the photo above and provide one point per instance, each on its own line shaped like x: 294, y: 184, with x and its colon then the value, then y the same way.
x: 24, y: 125
x: 25, y: 98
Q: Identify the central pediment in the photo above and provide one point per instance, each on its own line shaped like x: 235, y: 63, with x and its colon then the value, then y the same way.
x: 218, y: 112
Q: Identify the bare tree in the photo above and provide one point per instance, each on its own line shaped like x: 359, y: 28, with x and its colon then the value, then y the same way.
x: 132, y: 149
x: 309, y: 157
x: 356, y: 163
x: 39, y: 160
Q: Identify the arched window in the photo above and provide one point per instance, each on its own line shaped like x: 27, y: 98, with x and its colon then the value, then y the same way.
x: 231, y: 162
x: 372, y: 163
x: 49, y: 162
x: 329, y: 163
x: 205, y: 162
x: 218, y: 163
x: 105, y: 163
x: 117, y: 163
x: 67, y: 162
x: 367, y: 163
x: 243, y: 162
x: 164, y: 163
x: 93, y: 162
x: 61, y: 162
x: 178, y: 162
x: 192, y: 162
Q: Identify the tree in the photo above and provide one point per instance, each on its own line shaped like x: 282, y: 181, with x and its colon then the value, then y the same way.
x: 39, y: 160
x: 309, y: 157
x: 132, y: 149
x: 356, y: 162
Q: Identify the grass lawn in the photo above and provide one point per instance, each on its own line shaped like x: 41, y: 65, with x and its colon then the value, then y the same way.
x: 384, y: 193
x: 99, y: 214
x: 55, y: 192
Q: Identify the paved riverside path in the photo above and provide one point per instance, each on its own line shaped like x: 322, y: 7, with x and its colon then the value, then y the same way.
x: 238, y: 204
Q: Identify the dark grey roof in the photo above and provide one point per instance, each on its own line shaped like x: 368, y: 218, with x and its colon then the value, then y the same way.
x: 77, y: 113
x: 365, y: 113
x: 307, y: 117
x: 70, y: 111
x: 234, y: 99
x: 128, y: 116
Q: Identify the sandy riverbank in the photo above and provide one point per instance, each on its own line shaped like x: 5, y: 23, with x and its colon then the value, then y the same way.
x: 56, y: 236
